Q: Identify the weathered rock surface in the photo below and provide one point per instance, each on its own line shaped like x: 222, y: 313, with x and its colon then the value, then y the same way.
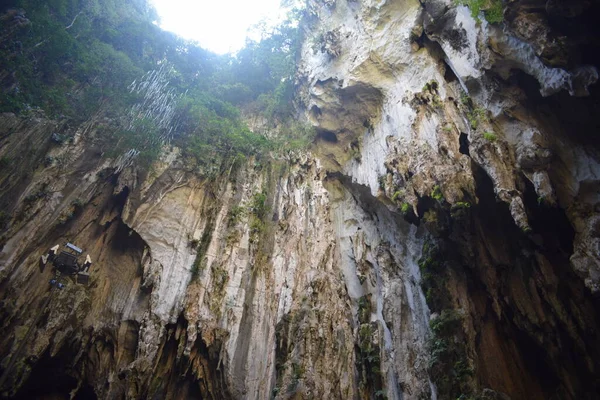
x: 441, y: 239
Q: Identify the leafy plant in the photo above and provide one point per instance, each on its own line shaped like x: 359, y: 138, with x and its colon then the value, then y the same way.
x: 475, y: 117
x: 76, y: 58
x: 436, y: 193
x: 235, y: 214
x: 461, y: 204
x: 258, y: 205
x: 381, y: 181
x: 492, y: 9
x: 405, y: 208
x: 368, y: 353
x: 489, y: 136
x: 449, y: 365
x: 201, y: 249
x: 431, y: 86
x: 495, y: 13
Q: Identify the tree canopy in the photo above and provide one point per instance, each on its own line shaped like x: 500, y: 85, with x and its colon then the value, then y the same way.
x: 72, y: 58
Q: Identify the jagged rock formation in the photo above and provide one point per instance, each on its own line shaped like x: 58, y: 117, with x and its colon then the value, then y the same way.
x: 439, y: 241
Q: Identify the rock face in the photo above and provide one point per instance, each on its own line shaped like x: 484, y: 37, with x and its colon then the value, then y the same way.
x: 440, y: 240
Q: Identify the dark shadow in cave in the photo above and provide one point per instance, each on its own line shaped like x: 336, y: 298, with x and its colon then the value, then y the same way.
x: 577, y: 117
x: 463, y: 143
x: 49, y: 378
x: 327, y: 136
x: 560, y: 354
x: 549, y: 222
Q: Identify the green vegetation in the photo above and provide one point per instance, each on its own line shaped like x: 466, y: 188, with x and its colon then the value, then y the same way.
x: 235, y: 214
x: 355, y: 153
x: 475, y: 116
x: 258, y: 211
x: 201, y: 249
x: 449, y: 365
x: 489, y: 136
x: 71, y: 211
x: 75, y: 58
x: 368, y: 354
x: 77, y: 203
x: 405, y: 208
x: 381, y: 181
x: 459, y: 209
x: 461, y: 204
x: 433, y: 277
x: 465, y: 100
x: 431, y: 218
x: 40, y: 193
x: 431, y: 86
x: 220, y: 278
x: 492, y: 9
x: 436, y: 193
x: 258, y: 205
x: 297, y: 373
x: 495, y: 13
x: 448, y: 362
x: 540, y: 200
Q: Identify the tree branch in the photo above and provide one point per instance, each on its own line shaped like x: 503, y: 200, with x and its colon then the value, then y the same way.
x: 74, y: 19
x: 66, y: 28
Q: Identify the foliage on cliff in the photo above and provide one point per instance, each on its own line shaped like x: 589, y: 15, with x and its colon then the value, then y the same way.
x: 74, y: 58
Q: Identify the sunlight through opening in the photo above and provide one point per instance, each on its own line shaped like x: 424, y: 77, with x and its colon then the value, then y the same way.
x: 219, y: 26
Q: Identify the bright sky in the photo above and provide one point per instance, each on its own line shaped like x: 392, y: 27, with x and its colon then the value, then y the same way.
x: 218, y: 25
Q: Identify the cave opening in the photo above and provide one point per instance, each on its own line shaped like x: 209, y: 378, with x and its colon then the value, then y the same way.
x: 449, y: 75
x: 327, y: 136
x: 51, y: 378
x: 575, y: 117
x: 463, y: 144
x: 127, y: 240
x: 550, y: 222
x: 581, y: 24
x: 85, y: 392
x: 562, y: 361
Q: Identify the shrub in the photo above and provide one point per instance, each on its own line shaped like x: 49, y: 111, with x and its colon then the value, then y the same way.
x: 475, y: 116
x: 489, y: 136
x: 235, y: 214
x: 492, y: 9
x: 436, y: 193
x: 448, y: 363
x: 431, y: 86
x: 202, y: 247
x: 258, y: 205
x: 381, y: 181
x: 461, y: 204
x: 495, y: 13
x: 405, y: 208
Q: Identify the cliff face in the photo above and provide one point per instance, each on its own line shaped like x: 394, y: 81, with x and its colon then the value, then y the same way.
x: 439, y: 240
